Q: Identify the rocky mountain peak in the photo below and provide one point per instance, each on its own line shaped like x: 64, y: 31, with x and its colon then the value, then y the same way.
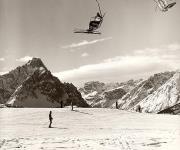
x: 36, y: 63
x: 94, y: 86
x: 33, y: 85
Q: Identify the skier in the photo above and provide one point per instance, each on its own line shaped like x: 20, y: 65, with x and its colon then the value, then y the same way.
x: 61, y: 104
x: 138, y: 108
x: 94, y: 24
x: 50, y: 119
x: 72, y: 105
x: 116, y: 104
x: 97, y: 20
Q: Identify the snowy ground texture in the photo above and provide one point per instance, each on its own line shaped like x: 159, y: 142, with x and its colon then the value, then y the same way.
x: 87, y: 129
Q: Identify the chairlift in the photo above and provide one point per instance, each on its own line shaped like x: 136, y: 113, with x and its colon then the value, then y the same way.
x: 94, y: 24
x: 164, y: 5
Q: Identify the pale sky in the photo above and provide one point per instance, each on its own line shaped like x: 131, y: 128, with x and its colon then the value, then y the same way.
x: 136, y: 40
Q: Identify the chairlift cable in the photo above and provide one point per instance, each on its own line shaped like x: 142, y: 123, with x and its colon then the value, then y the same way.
x: 99, y: 7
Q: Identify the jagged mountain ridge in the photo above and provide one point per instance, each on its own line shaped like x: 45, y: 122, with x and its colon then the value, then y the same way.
x: 99, y: 94
x: 146, y: 94
x: 35, y: 86
x: 143, y: 89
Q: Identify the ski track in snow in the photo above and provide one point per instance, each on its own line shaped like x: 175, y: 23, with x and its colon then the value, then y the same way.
x: 87, y: 129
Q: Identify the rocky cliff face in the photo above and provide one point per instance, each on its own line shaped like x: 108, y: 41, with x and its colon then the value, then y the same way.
x: 104, y: 95
x: 74, y: 96
x: 175, y: 110
x: 92, y: 86
x: 112, y: 96
x: 32, y: 85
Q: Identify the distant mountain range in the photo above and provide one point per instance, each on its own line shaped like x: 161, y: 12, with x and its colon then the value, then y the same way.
x: 33, y: 85
x: 156, y: 94
x: 104, y: 95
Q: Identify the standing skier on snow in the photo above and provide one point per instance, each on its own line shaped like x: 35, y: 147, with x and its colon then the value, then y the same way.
x: 72, y: 105
x: 50, y: 119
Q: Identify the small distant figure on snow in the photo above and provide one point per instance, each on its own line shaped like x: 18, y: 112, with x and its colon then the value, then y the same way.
x: 61, y: 104
x: 138, y: 108
x: 72, y: 105
x: 50, y: 119
x: 116, y: 104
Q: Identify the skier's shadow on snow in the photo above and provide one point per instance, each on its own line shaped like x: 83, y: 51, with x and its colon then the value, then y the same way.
x: 58, y: 128
x: 82, y: 112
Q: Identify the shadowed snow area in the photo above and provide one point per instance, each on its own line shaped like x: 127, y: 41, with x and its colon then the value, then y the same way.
x: 87, y: 129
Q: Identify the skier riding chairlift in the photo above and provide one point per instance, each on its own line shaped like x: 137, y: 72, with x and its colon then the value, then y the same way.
x: 96, y: 22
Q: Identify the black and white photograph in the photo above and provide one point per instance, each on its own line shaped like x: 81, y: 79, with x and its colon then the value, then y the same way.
x: 89, y: 74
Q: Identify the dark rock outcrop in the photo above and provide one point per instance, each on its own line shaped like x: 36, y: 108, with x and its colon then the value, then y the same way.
x: 74, y: 96
x: 175, y: 110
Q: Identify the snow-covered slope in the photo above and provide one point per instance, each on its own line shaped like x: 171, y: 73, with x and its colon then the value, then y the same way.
x: 164, y: 97
x: 87, y: 129
x: 143, y: 89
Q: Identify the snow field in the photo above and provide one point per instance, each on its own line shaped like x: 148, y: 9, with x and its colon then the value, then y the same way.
x: 87, y: 129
